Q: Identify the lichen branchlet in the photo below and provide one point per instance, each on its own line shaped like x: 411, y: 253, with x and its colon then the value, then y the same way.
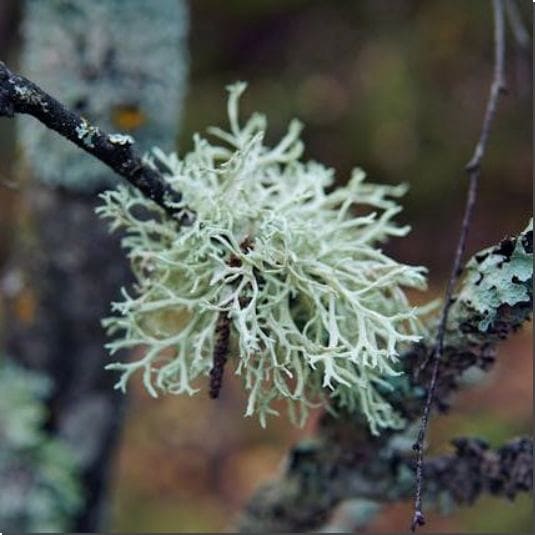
x: 316, y: 311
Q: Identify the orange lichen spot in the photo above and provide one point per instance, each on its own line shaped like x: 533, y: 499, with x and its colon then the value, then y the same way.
x: 25, y: 306
x: 127, y: 117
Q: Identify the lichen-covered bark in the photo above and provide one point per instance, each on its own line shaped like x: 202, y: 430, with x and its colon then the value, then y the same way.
x: 121, y: 65
x: 495, y: 299
x: 343, y: 461
x: 342, y: 464
x: 64, y: 272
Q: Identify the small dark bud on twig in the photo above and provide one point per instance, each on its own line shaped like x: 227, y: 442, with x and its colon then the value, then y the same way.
x: 220, y: 356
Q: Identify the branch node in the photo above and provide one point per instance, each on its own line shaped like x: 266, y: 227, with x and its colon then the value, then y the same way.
x: 418, y: 520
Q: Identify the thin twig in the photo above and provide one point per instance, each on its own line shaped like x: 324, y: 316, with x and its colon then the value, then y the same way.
x: 473, y: 168
x: 20, y: 95
x: 522, y: 51
x: 518, y: 28
x: 222, y: 330
x: 220, y: 355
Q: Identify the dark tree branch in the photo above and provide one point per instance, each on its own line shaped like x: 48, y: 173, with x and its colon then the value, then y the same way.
x: 473, y: 168
x: 467, y: 343
x: 475, y: 469
x: 339, y: 466
x: 458, y: 478
x: 19, y: 95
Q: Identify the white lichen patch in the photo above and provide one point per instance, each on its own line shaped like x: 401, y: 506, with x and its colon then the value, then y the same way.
x: 318, y: 312
x: 120, y: 139
x: 30, y: 96
x: 85, y: 132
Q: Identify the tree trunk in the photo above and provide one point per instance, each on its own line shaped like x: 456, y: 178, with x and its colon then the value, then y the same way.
x: 102, y: 59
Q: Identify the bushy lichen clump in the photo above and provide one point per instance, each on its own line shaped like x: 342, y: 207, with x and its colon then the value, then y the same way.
x: 317, y: 310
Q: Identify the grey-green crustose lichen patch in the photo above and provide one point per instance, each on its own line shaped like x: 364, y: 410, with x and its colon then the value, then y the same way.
x: 317, y: 310
x: 499, y: 276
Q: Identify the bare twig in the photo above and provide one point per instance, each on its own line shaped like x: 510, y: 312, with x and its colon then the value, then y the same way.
x: 473, y: 168
x: 220, y: 354
x: 20, y: 95
x: 520, y: 33
x: 522, y: 50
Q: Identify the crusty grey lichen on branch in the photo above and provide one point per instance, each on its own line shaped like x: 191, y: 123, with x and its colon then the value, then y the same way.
x: 341, y: 464
x: 495, y: 299
x: 20, y: 95
x: 343, y: 461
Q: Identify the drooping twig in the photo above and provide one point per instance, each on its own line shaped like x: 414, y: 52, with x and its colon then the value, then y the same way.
x: 473, y: 168
x: 220, y: 355
x: 522, y: 50
x: 20, y: 95
x: 516, y: 24
x: 222, y: 331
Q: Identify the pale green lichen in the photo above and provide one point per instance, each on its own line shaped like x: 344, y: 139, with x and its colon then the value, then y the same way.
x: 498, y: 276
x: 30, y: 96
x: 317, y: 310
x: 40, y: 490
x: 85, y: 133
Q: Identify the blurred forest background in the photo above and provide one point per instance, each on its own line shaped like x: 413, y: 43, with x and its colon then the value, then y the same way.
x: 398, y: 88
